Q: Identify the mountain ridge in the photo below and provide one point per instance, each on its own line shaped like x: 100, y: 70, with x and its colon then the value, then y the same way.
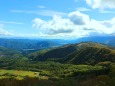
x: 67, y: 51
x: 29, y: 43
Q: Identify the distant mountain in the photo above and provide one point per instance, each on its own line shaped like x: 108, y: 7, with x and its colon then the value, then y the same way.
x: 38, y: 44
x: 30, y: 44
x: 5, y: 52
x: 85, y: 52
x: 109, y: 40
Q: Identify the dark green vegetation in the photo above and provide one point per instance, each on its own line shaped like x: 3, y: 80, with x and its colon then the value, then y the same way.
x: 9, y: 53
x: 83, y: 64
x: 91, y: 55
x: 82, y: 53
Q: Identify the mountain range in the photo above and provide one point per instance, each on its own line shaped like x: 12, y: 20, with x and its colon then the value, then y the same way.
x: 37, y: 44
x: 91, y: 51
x: 81, y: 53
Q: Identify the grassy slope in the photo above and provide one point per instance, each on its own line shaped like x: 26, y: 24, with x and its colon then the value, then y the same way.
x: 18, y: 74
x: 82, y: 53
x: 61, y: 52
x: 91, y: 55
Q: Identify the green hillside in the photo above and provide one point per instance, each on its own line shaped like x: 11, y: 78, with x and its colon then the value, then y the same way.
x: 91, y: 55
x: 5, y: 52
x: 86, y: 63
x: 59, y: 52
x: 64, y: 51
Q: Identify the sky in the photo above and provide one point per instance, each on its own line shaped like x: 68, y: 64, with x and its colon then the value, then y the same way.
x: 61, y: 19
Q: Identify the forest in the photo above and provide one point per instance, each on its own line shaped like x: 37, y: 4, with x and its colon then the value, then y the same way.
x: 82, y: 64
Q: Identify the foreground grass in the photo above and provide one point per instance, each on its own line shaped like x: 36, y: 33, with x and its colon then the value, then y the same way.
x: 84, y: 79
x: 17, y: 74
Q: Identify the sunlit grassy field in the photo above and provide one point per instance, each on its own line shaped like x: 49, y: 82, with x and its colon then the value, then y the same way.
x: 17, y: 74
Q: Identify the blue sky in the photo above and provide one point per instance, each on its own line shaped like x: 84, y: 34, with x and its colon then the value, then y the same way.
x: 57, y: 18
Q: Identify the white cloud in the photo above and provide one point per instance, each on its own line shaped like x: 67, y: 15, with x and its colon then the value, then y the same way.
x: 75, y: 25
x: 40, y: 12
x: 55, y: 26
x: 79, y: 18
x: 21, y: 11
x: 51, y: 13
x: 101, y: 4
x: 11, y: 22
x: 103, y: 11
x: 83, y: 9
x: 109, y: 24
x: 98, y: 27
x: 4, y: 32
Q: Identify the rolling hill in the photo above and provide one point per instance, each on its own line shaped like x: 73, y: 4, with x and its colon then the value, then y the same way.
x: 10, y: 53
x: 91, y: 55
x: 81, y: 53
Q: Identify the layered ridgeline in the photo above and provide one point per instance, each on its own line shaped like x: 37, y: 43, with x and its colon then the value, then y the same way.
x: 109, y: 40
x: 82, y: 53
x: 30, y: 44
x: 9, y: 53
x: 10, y: 57
x: 25, y: 44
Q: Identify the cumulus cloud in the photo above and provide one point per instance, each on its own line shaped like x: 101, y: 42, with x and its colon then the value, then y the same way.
x: 109, y: 24
x: 4, y: 32
x: 75, y: 25
x: 55, y: 26
x: 101, y: 4
x: 79, y: 18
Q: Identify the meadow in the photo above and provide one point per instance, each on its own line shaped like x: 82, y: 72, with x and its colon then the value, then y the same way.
x: 17, y: 74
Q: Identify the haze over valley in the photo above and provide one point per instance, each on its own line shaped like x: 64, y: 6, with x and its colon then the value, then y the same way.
x: 57, y: 43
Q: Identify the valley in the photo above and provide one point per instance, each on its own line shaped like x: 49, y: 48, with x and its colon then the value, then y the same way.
x: 57, y: 43
x: 56, y: 66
